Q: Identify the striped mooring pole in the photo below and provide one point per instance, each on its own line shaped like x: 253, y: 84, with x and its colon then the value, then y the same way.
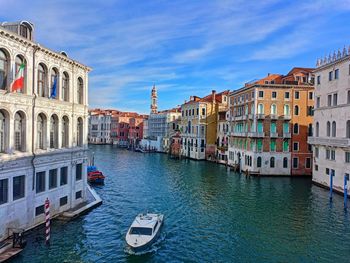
x: 47, y: 218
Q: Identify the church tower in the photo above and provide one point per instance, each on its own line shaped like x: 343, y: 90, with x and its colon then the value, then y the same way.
x: 154, y: 107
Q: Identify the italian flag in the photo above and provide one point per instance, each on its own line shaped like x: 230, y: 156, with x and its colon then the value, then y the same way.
x: 18, y: 83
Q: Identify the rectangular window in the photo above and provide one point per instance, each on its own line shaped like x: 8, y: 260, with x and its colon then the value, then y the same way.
x: 327, y: 171
x: 64, y: 176
x: 63, y: 200
x: 197, y: 111
x: 332, y: 155
x: 295, y: 162
x: 78, y: 194
x: 328, y: 154
x: 330, y: 75
x: 311, y: 95
x: 40, y: 182
x: 4, y: 183
x: 295, y: 146
x: 316, y: 167
x: 318, y: 102
x: 273, y: 145
x: 317, y: 152
x: 286, y: 95
x: 18, y: 187
x: 308, y: 163
x: 274, y: 94
x: 336, y: 74
x: 261, y: 93
x: 335, y: 99
x: 39, y: 210
x: 296, y: 95
x: 329, y: 101
x: 52, y: 178
x: 318, y: 79
x: 347, y: 157
x: 78, y: 171
x: 348, y: 100
x: 203, y: 111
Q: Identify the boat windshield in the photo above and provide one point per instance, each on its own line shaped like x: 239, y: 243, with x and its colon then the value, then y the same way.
x: 141, y: 231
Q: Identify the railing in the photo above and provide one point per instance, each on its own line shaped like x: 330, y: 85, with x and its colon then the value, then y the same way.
x: 273, y: 134
x: 287, y: 135
x: 286, y: 117
x: 239, y: 134
x: 256, y: 134
x: 260, y: 116
x: 273, y: 116
x: 337, y: 142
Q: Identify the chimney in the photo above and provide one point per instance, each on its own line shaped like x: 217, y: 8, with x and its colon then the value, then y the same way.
x: 213, y: 93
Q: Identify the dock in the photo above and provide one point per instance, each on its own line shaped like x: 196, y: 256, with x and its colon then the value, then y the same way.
x: 7, y: 250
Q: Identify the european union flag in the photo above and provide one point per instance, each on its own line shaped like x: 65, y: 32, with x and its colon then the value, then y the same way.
x: 54, y: 88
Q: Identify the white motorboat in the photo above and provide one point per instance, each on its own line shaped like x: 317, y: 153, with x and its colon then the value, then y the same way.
x: 144, y: 231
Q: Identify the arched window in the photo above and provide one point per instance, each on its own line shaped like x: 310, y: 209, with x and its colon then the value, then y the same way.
x: 4, y: 69
x: 42, y: 80
x: 3, y: 127
x: 18, y: 62
x: 65, y: 87
x: 334, y: 129
x: 19, y: 131
x: 80, y: 132
x: 261, y: 108
x: 317, y: 129
x: 41, y: 131
x: 258, y: 162
x: 273, y: 109
x: 272, y: 162
x: 296, y: 128
x: 54, y: 77
x: 310, y: 130
x: 54, y: 131
x: 285, y: 162
x: 65, y: 131
x: 328, y: 129
x: 296, y: 110
x: 286, y: 110
x: 80, y: 91
x: 348, y: 129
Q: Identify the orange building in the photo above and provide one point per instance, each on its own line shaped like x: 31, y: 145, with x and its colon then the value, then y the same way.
x: 270, y: 120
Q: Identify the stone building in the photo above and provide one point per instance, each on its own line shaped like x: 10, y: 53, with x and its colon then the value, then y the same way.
x: 270, y: 120
x: 43, y: 138
x: 100, y: 123
x: 331, y: 138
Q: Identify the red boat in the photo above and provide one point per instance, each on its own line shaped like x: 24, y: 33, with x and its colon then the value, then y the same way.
x: 95, y: 176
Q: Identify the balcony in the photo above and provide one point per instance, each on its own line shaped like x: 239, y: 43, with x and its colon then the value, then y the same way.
x: 239, y: 134
x: 273, y: 116
x: 334, y: 142
x: 250, y: 116
x: 256, y: 134
x: 287, y: 135
x: 286, y: 117
x: 260, y: 116
x: 274, y: 134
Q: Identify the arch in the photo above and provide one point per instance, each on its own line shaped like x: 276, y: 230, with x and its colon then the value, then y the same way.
x: 260, y: 108
x: 80, y: 131
x: 272, y: 162
x: 4, y: 130
x: 286, y: 110
x: 41, y: 127
x: 334, y: 129
x: 80, y: 91
x: 54, y: 131
x: 19, y: 60
x: 258, y: 162
x: 317, y: 129
x: 19, y: 131
x: 310, y: 130
x: 273, y: 109
x: 348, y: 129
x: 285, y: 162
x: 42, y: 80
x: 26, y: 29
x: 65, y: 86
x: 328, y: 129
x: 296, y: 110
x: 54, y: 76
x: 4, y: 68
x: 65, y: 132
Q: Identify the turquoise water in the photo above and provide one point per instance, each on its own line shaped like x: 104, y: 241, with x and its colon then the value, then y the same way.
x: 211, y: 215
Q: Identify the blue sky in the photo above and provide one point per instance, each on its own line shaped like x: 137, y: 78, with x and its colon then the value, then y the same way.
x: 184, y: 47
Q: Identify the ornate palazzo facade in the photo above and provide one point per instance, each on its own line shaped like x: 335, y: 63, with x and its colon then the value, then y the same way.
x: 43, y: 140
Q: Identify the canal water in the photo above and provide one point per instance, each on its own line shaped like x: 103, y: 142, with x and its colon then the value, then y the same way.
x: 211, y: 215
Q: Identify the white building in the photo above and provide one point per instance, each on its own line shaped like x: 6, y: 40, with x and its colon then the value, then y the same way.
x: 100, y: 127
x: 331, y: 139
x: 43, y: 142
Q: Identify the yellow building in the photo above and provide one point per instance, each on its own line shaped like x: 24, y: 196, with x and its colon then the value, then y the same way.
x: 199, y: 125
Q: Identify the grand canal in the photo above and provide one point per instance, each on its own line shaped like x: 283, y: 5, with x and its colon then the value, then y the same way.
x: 211, y: 215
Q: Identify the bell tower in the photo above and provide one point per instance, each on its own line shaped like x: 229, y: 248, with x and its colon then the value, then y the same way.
x: 154, y: 107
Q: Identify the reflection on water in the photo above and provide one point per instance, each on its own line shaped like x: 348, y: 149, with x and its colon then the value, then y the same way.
x: 211, y: 215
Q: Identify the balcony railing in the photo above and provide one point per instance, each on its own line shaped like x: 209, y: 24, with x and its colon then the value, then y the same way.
x: 335, y: 142
x: 256, y: 134
x: 287, y: 135
x: 273, y: 134
x: 286, y: 117
x: 273, y: 116
x: 250, y: 116
x: 239, y: 134
x: 260, y: 116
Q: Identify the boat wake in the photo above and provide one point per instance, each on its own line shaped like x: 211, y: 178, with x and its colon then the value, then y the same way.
x: 152, y: 249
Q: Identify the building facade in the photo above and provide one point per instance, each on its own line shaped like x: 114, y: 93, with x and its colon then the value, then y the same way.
x: 199, y: 125
x: 100, y: 125
x: 270, y: 120
x: 331, y: 138
x: 43, y: 141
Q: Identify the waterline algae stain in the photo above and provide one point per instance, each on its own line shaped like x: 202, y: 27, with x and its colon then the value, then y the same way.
x: 212, y: 215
